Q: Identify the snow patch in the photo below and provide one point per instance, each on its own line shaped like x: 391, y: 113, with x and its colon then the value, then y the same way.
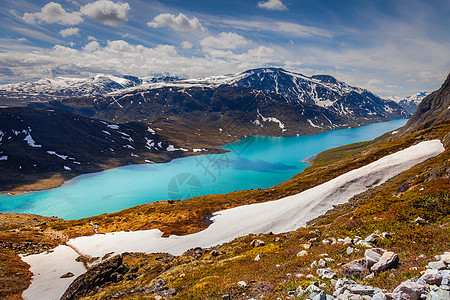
x: 47, y: 281
x: 4, y: 157
x: 113, y: 126
x: 271, y: 119
x: 31, y: 142
x: 59, y: 155
x: 67, y: 168
x: 312, y: 124
x: 171, y: 148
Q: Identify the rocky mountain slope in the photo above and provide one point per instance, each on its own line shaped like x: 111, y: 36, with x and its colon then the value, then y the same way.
x: 435, y: 108
x: 410, y: 103
x: 44, y: 144
x: 267, y: 101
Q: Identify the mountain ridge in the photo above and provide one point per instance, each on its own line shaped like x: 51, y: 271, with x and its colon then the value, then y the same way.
x: 251, y: 100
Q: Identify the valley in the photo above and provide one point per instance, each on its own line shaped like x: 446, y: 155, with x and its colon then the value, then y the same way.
x: 421, y: 191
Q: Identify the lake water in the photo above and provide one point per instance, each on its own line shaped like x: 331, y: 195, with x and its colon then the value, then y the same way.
x: 255, y: 162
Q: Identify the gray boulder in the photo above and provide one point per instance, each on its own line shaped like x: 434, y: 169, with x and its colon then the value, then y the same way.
x: 438, y: 294
x: 361, y: 289
x: 437, y: 265
x: 433, y: 279
x: 258, y: 243
x: 446, y: 258
x: 411, y: 290
x: 387, y: 261
x: 379, y: 296
x: 320, y: 296
x: 355, y: 268
x: 371, y: 238
x: 373, y: 256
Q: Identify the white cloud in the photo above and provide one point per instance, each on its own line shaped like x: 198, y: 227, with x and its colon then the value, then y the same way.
x: 69, y: 31
x: 35, y: 34
x: 278, y: 27
x: 128, y: 36
x: 92, y: 46
x: 53, y: 13
x: 178, y: 23
x: 272, y: 5
x: 225, y: 40
x: 187, y: 45
x: 120, y: 57
x: 107, y: 12
x: 92, y: 38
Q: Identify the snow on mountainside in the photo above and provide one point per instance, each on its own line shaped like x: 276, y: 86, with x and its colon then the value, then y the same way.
x: 264, y: 100
x: 63, y: 87
x: 320, y: 101
x: 35, y: 142
x: 410, y: 103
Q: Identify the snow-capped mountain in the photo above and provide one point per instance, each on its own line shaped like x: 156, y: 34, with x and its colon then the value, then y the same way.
x: 263, y: 101
x: 63, y: 87
x: 410, y: 103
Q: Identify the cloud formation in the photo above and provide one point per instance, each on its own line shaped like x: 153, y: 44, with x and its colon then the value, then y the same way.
x: 225, y: 40
x: 69, y: 31
x: 279, y: 27
x: 187, y: 45
x: 272, y: 5
x: 178, y: 23
x: 92, y: 46
x: 53, y: 13
x: 120, y: 57
x: 107, y: 12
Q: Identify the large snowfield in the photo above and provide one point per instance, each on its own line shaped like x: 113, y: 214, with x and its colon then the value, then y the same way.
x: 283, y: 215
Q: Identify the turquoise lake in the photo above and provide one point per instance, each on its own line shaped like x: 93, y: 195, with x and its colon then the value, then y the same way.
x: 255, y: 162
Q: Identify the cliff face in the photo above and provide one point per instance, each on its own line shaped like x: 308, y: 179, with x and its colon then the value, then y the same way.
x: 435, y: 108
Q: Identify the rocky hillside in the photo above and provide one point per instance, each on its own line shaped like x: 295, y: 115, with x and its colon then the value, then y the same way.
x: 434, y: 109
x: 45, y: 144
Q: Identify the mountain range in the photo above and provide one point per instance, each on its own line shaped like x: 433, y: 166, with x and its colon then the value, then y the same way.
x: 266, y: 101
x: 410, y: 103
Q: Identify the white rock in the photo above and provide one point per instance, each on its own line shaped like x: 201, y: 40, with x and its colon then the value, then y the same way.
x: 242, y: 284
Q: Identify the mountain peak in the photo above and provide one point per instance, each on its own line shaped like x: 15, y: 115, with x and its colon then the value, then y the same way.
x: 265, y: 70
x: 326, y: 79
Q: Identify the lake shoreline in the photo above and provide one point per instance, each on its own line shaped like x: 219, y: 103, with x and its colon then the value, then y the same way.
x: 267, y: 161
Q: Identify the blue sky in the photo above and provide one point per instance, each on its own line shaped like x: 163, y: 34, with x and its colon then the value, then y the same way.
x: 391, y: 47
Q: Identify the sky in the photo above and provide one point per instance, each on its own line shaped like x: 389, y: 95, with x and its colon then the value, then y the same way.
x: 391, y: 47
